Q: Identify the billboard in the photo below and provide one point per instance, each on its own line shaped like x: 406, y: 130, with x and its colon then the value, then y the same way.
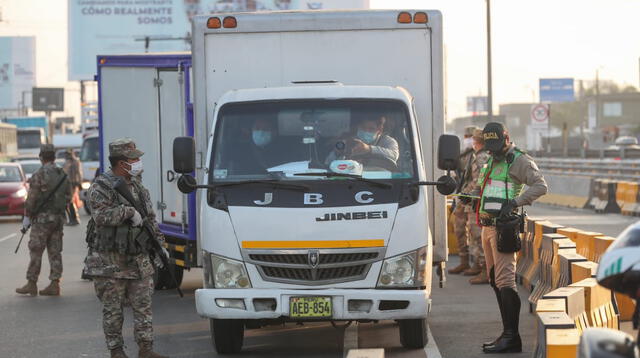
x: 47, y: 99
x: 556, y: 90
x: 17, y: 69
x: 120, y: 27
x: 477, y: 104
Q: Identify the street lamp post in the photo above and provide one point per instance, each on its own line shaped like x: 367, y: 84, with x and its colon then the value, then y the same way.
x: 489, y: 84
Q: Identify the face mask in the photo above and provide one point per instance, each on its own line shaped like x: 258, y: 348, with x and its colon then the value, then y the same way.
x: 467, y: 142
x: 136, y: 168
x: 261, y: 138
x: 367, y: 137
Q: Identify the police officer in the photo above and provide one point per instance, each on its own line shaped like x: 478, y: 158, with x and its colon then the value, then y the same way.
x: 501, y: 190
x: 481, y: 157
x: 460, y: 215
x: 122, y: 271
x: 49, y: 193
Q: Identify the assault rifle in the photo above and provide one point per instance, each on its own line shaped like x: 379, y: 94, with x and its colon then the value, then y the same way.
x: 153, y: 246
x: 26, y: 228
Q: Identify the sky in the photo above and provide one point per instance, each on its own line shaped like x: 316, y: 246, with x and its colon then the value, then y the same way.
x: 531, y: 40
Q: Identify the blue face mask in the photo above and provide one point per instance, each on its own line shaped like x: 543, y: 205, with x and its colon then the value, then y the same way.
x: 367, y: 137
x: 261, y: 138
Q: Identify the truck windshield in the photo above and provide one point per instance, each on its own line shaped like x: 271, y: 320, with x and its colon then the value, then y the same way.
x: 29, y: 139
x: 280, y: 140
x: 90, y: 150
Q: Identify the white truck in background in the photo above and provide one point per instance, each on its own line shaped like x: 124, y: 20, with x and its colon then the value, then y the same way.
x: 294, y: 222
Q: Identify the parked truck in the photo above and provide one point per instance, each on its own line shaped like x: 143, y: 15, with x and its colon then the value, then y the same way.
x: 314, y: 148
x: 147, y: 97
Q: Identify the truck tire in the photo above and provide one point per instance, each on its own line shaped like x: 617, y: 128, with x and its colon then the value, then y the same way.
x: 413, y: 333
x: 162, y: 278
x: 227, y: 335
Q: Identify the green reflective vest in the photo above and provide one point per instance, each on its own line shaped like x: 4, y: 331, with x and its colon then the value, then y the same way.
x: 496, y: 185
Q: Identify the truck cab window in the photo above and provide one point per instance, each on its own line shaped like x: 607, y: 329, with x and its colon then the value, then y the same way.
x: 263, y: 140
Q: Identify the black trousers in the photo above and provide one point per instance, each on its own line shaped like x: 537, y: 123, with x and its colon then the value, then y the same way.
x: 72, y: 213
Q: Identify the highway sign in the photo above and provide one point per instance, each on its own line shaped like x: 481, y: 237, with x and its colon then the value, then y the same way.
x: 540, y: 116
x: 47, y: 99
x: 556, y: 90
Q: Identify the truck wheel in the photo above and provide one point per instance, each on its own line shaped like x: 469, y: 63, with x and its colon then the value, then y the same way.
x: 227, y: 335
x: 413, y: 333
x: 163, y: 280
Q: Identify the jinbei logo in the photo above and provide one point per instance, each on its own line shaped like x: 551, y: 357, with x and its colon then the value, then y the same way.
x: 357, y: 215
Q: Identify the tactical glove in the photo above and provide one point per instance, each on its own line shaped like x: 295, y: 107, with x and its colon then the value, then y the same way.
x: 508, y: 208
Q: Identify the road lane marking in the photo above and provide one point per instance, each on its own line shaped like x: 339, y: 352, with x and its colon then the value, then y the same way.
x: 10, y: 236
x: 350, y: 338
x: 431, y: 349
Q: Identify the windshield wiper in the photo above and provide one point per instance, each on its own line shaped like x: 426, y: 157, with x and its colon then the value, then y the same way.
x: 271, y: 182
x: 345, y: 175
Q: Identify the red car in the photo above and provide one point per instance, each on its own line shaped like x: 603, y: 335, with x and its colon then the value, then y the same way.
x: 13, y: 189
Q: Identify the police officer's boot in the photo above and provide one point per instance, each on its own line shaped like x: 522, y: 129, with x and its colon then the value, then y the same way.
x: 496, y: 290
x: 52, y: 290
x: 147, y: 352
x: 464, y: 264
x: 510, y: 341
x: 29, y: 289
x: 118, y: 353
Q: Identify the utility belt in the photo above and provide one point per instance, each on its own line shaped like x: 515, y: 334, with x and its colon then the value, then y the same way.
x: 487, y: 221
x: 508, y: 230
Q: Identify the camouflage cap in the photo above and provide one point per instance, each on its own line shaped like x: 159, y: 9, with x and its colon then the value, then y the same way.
x: 47, y: 148
x: 468, y: 131
x: 124, y: 147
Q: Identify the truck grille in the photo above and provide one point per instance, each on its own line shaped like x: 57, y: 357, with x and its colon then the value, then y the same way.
x: 314, y: 267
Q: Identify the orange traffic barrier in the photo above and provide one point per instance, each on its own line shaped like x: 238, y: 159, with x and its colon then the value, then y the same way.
x: 546, y: 260
x: 601, y: 244
x: 559, y: 246
x: 582, y: 270
x: 585, y: 244
x: 626, y: 196
x: 566, y: 260
x: 532, y: 276
x: 574, y: 304
x: 598, y: 304
x: 525, y: 256
x: 552, y: 325
x: 569, y: 232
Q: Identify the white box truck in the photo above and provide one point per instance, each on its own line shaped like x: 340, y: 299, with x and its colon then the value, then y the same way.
x: 316, y: 135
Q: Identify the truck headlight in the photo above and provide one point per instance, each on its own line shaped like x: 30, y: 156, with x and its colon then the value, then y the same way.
x: 86, y: 185
x: 21, y: 193
x: 406, y: 270
x: 227, y: 273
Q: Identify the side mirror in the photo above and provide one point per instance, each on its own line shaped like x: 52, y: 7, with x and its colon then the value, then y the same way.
x: 446, y: 185
x: 184, y: 155
x: 448, y: 152
x: 187, y: 184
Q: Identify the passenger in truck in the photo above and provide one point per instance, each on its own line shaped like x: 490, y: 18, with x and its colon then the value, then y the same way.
x: 369, y: 145
x: 257, y: 150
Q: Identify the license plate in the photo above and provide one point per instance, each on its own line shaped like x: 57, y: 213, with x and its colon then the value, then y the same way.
x: 310, y: 307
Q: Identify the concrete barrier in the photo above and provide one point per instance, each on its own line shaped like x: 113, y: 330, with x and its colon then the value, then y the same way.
x: 366, y: 353
x: 607, y: 197
x: 525, y: 255
x: 574, y: 304
x: 585, y: 243
x: 598, y: 304
x: 564, y: 190
x: 531, y: 278
x: 551, y: 325
x: 626, y: 196
x: 545, y: 283
x: 566, y: 260
x: 559, y: 246
x: 569, y: 232
x: 582, y: 270
x: 600, y: 245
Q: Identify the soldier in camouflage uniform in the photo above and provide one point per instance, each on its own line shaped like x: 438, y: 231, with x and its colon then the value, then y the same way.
x: 74, y: 171
x: 49, y: 193
x: 119, y: 265
x: 479, y: 269
x: 460, y: 215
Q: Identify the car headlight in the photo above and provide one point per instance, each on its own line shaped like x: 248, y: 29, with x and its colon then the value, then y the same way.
x: 406, y: 270
x: 226, y: 273
x: 86, y: 185
x: 21, y: 193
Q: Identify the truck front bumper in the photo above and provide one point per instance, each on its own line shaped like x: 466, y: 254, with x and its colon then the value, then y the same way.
x: 348, y: 304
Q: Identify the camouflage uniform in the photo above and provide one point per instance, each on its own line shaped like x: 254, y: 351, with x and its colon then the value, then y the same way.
x: 122, y: 271
x: 475, y: 242
x: 74, y: 171
x: 47, y: 224
x: 460, y: 225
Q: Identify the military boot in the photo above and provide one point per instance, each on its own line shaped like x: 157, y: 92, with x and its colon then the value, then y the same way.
x: 472, y: 271
x: 118, y: 353
x: 147, y: 352
x: 510, y: 341
x: 481, y: 278
x: 52, y: 290
x: 30, y: 288
x: 464, y: 264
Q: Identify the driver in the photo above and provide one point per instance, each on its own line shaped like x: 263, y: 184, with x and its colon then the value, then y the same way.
x: 369, y: 145
x: 260, y: 151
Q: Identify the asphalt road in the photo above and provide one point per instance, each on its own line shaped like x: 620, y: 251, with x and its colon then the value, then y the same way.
x: 463, y: 316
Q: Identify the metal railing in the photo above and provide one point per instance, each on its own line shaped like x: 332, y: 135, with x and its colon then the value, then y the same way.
x: 619, y: 169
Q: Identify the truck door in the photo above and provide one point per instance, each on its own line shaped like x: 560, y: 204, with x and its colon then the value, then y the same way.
x: 172, y: 124
x: 129, y: 98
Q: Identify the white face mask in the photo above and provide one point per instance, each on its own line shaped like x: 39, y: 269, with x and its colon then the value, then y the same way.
x: 467, y: 142
x: 136, y: 168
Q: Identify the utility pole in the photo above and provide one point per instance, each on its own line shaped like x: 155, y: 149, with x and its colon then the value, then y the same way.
x: 597, y: 116
x: 489, y: 84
